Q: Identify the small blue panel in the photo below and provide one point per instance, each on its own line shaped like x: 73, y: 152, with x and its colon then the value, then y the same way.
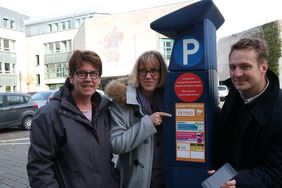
x: 188, y: 51
x: 195, y: 49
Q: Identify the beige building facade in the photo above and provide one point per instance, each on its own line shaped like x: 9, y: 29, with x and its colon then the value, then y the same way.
x: 43, y: 47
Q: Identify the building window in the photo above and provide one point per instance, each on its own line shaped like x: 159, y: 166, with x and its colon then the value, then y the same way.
x: 58, y: 47
x: 50, y: 27
x: 37, y: 63
x: 63, y: 46
x: 1, y: 67
x: 56, y: 25
x: 63, y: 24
x: 13, y: 68
x: 12, y: 44
x: 9, y: 23
x: 57, y: 44
x: 51, y: 48
x: 50, y: 71
x: 6, y: 44
x: 77, y: 23
x: 69, y: 45
x: 60, y: 26
x: 8, y: 89
x: 5, y: 22
x: 61, y: 70
x: 7, y: 68
x: 56, y: 70
x: 166, y: 46
x: 12, y: 24
x: 37, y: 79
x: 69, y: 24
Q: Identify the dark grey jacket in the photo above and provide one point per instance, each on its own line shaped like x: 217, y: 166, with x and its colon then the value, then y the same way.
x: 69, y: 151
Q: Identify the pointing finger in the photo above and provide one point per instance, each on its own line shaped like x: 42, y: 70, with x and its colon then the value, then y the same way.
x: 165, y: 114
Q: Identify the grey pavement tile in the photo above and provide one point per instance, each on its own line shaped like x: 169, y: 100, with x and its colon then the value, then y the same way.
x: 13, y: 159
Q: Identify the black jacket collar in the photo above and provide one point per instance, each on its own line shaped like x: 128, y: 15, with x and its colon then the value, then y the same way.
x: 260, y: 108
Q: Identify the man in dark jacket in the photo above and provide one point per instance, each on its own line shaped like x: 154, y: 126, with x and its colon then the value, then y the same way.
x: 70, y: 145
x: 250, y: 131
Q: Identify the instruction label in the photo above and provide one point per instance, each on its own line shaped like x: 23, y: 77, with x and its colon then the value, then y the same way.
x: 190, y: 132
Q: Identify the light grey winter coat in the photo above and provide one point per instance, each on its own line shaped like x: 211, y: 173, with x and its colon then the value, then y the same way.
x: 132, y: 134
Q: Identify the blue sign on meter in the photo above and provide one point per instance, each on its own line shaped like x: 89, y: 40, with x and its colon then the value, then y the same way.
x: 192, y: 52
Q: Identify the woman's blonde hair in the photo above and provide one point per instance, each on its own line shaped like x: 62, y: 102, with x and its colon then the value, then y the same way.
x: 142, y: 59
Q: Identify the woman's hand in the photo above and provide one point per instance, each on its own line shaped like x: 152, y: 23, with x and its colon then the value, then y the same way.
x: 156, y: 117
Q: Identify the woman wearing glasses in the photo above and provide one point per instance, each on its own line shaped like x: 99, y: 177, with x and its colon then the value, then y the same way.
x: 136, y: 125
x: 70, y: 145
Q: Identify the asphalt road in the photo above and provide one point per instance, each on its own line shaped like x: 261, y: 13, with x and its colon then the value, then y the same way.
x: 14, y: 145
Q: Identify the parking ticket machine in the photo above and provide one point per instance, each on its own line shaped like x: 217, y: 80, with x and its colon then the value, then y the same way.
x: 190, y: 92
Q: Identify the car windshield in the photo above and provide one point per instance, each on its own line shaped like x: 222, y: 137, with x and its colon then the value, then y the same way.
x: 41, y: 96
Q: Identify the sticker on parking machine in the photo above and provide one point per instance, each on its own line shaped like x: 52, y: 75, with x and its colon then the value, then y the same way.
x: 190, y: 132
x: 188, y: 87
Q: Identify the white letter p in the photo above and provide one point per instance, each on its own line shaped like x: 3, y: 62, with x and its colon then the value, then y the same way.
x: 187, y: 52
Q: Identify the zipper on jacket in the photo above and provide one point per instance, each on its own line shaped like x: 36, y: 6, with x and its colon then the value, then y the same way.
x: 137, y: 163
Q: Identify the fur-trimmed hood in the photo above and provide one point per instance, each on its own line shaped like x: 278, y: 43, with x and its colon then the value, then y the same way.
x: 116, y: 90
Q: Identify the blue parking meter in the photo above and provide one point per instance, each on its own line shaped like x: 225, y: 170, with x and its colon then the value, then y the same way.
x: 190, y: 92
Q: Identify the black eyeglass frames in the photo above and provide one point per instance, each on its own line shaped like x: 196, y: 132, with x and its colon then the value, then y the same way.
x: 83, y: 74
x: 153, y: 72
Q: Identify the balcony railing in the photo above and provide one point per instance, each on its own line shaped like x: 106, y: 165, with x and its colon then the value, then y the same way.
x: 8, y: 79
x: 57, y: 57
x: 8, y: 57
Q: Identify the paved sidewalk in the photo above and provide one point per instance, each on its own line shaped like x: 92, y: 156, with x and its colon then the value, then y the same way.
x: 13, y: 159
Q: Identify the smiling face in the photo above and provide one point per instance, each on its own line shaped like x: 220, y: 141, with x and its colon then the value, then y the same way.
x: 247, y: 74
x: 85, y: 87
x: 149, y: 76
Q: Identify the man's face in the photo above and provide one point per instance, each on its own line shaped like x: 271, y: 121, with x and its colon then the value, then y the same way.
x: 247, y: 75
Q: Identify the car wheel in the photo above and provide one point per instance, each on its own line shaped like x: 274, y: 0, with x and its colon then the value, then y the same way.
x: 26, y: 124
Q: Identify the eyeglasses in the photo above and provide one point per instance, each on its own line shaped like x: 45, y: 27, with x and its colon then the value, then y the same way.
x: 83, y: 74
x: 153, y: 72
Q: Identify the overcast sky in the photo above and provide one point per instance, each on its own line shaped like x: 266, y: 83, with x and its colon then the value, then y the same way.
x: 239, y: 14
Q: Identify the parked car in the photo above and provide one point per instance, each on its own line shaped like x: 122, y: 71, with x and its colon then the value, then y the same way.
x: 222, y: 92
x: 51, y: 96
x: 41, y: 97
x: 16, y: 109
